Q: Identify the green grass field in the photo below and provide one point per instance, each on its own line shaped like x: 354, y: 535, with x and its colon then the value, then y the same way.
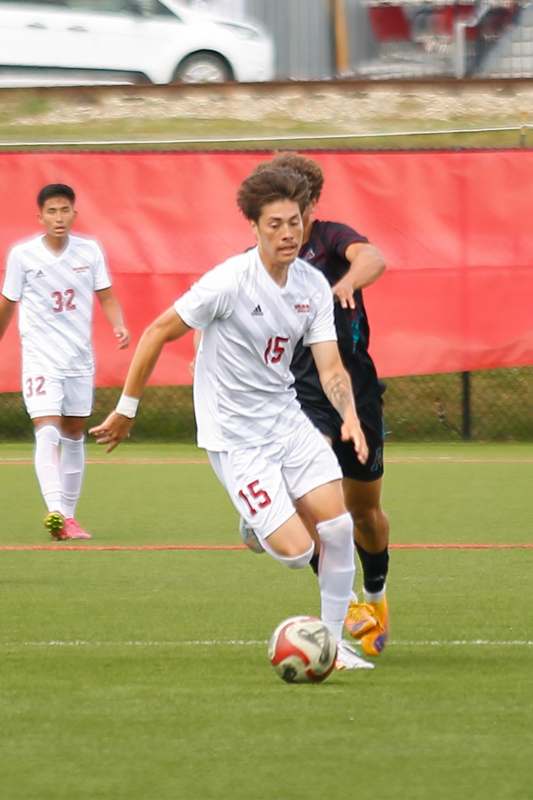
x: 142, y: 674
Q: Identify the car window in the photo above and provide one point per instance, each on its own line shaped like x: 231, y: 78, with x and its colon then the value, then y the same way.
x: 36, y: 3
x: 103, y: 6
x: 147, y: 8
x: 154, y: 8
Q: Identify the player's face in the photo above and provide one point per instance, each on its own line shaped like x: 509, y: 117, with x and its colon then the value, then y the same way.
x: 279, y: 232
x: 57, y: 216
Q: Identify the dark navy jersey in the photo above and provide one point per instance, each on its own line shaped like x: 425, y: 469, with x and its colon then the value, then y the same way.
x: 325, y: 250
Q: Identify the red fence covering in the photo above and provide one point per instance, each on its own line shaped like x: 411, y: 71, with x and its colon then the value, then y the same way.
x: 455, y: 228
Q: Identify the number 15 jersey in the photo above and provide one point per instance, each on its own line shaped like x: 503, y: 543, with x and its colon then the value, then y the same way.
x: 243, y: 386
x: 56, y: 303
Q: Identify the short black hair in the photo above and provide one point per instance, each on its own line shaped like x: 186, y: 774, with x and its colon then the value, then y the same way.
x: 55, y: 190
x: 266, y: 185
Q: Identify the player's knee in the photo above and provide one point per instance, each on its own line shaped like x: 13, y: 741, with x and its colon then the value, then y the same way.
x: 370, y: 520
x: 299, y: 560
x: 337, y: 531
x: 47, y: 433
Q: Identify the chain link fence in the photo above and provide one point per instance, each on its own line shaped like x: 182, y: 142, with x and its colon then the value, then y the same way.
x: 491, y: 405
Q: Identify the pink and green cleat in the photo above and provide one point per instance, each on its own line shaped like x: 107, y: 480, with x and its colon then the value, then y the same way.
x: 54, y: 522
x: 73, y: 530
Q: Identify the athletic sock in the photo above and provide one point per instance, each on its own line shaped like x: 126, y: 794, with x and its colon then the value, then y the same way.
x: 375, y: 569
x: 46, y: 461
x: 374, y: 597
x: 336, y: 570
x: 315, y: 558
x: 72, y: 469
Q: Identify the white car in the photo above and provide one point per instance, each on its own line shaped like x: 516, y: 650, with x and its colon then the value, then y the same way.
x: 159, y: 41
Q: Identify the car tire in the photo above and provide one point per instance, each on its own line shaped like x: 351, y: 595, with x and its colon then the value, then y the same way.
x: 203, y: 68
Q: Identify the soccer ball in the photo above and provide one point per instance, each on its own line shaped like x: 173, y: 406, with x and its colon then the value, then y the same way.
x: 302, y: 650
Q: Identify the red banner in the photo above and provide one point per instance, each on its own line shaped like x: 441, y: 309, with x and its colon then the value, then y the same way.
x: 454, y: 227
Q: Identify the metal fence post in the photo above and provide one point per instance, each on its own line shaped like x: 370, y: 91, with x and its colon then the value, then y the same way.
x: 466, y: 429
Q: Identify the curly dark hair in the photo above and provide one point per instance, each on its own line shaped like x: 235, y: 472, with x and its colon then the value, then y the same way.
x: 267, y: 184
x: 303, y: 166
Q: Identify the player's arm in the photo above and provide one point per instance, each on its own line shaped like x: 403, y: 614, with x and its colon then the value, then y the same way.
x: 366, y: 266
x: 113, y: 313
x: 7, y: 308
x: 338, y: 389
x: 116, y: 427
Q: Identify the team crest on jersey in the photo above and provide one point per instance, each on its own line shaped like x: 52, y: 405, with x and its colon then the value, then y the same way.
x: 302, y: 308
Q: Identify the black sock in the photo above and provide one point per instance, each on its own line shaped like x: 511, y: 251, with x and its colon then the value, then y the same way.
x: 314, y: 562
x: 375, y: 568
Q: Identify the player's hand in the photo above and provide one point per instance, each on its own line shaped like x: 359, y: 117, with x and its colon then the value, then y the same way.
x: 351, y: 431
x: 343, y: 292
x: 112, y: 431
x: 122, y: 334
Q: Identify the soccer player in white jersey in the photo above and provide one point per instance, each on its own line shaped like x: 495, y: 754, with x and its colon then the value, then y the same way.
x: 53, y: 277
x: 275, y: 465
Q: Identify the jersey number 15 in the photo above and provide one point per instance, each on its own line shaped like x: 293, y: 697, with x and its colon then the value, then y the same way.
x: 275, y: 349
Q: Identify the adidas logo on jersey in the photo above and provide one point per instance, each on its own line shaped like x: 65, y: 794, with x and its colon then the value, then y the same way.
x: 39, y: 274
x: 257, y: 312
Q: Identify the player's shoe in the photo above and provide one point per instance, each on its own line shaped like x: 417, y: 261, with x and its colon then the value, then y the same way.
x: 360, y: 619
x: 373, y: 642
x: 249, y: 538
x: 74, y: 530
x: 54, y: 522
x: 347, y: 658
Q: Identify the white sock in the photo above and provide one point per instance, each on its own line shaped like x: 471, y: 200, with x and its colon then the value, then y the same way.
x: 374, y: 597
x: 72, y: 468
x: 336, y: 570
x: 46, y: 460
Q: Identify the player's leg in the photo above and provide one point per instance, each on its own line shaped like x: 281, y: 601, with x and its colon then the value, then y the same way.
x: 313, y: 478
x: 333, y: 527
x: 43, y: 397
x: 253, y: 479
x: 363, y: 500
x: 368, y: 621
x: 77, y: 405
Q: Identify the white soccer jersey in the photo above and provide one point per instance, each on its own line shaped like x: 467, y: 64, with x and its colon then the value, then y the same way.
x: 243, y: 393
x: 56, y: 303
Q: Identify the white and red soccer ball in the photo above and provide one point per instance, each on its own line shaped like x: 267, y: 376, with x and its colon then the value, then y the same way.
x: 302, y: 650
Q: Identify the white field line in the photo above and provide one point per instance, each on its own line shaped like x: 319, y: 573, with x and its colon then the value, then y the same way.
x: 84, y: 643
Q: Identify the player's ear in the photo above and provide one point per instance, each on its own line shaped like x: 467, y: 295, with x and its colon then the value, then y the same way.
x: 254, y: 228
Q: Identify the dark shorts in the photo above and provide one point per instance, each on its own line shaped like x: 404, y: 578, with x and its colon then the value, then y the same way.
x: 370, y: 414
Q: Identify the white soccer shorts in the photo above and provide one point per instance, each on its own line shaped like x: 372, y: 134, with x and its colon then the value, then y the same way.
x: 264, y: 481
x: 57, y: 397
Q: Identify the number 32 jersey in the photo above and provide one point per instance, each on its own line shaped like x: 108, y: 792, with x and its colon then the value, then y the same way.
x: 243, y: 386
x: 56, y: 303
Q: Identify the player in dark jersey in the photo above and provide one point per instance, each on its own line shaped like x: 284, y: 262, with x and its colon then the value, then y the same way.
x: 350, y: 263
